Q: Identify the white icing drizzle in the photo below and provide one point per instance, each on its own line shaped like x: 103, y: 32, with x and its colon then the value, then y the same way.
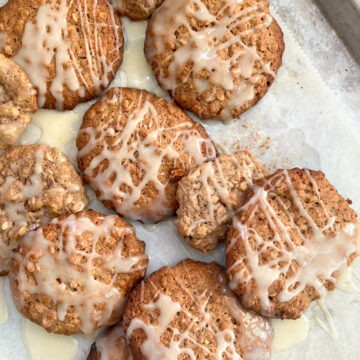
x: 67, y: 274
x: 133, y: 147
x: 168, y: 310
x: 206, y: 48
x: 46, y: 40
x: 318, y: 258
x: 112, y: 345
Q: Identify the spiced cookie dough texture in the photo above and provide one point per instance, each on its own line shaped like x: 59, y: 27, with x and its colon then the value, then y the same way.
x: 188, y: 312
x: 37, y: 183
x: 216, y: 58
x: 136, y: 9
x: 209, y: 195
x: 289, y: 243
x: 74, y: 274
x: 134, y: 147
x: 70, y: 50
x: 17, y: 102
x: 111, y: 345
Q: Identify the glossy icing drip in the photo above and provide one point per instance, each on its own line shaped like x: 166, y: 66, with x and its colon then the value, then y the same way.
x: 66, y: 273
x: 317, y: 259
x: 42, y: 345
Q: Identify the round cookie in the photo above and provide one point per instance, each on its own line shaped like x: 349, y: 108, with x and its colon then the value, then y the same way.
x: 289, y: 243
x: 111, y: 345
x: 136, y: 9
x: 210, y: 194
x: 188, y: 312
x: 17, y: 102
x: 216, y: 58
x: 37, y: 183
x: 74, y: 274
x: 70, y: 50
x: 133, y: 149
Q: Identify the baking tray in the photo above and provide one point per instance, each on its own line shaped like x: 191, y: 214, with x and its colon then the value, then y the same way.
x: 309, y: 118
x: 345, y: 19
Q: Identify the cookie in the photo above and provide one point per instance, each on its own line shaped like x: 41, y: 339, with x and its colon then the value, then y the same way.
x: 134, y: 147
x: 209, y: 195
x: 188, y: 312
x: 37, y: 183
x: 136, y: 9
x: 70, y: 50
x: 74, y: 274
x: 17, y: 102
x: 216, y: 58
x: 289, y: 243
x: 111, y: 345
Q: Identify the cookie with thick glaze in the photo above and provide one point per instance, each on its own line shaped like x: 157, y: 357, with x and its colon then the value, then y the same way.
x: 189, y: 312
x: 134, y: 147
x: 17, y: 102
x: 209, y: 195
x: 289, y: 243
x: 74, y: 274
x: 216, y: 58
x: 37, y: 183
x: 70, y: 50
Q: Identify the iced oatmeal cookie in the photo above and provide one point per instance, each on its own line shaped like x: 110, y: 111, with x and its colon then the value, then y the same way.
x: 216, y: 58
x: 134, y: 147
x: 188, y: 312
x: 74, y: 274
x: 289, y: 242
x: 70, y: 50
x: 209, y: 195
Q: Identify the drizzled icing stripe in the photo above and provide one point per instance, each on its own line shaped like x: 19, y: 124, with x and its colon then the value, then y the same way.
x: 184, y: 343
x: 66, y: 273
x: 207, y: 48
x: 144, y: 148
x: 309, y: 263
x: 46, y: 40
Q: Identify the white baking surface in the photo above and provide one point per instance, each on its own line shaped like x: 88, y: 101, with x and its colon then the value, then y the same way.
x: 309, y: 118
